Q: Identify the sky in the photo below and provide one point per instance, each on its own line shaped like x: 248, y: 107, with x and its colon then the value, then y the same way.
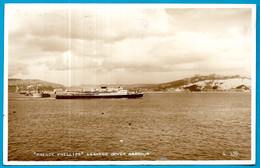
x: 127, y: 45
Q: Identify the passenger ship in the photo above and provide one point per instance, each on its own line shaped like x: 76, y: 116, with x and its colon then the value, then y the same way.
x: 103, y: 93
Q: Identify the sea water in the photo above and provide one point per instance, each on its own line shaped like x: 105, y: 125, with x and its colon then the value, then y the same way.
x: 159, y: 126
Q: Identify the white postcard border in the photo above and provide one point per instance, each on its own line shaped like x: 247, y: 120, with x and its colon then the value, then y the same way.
x: 144, y: 162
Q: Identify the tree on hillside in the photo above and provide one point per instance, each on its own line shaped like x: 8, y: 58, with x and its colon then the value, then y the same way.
x: 193, y: 88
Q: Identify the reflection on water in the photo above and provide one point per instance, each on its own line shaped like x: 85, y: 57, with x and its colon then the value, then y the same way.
x: 176, y: 126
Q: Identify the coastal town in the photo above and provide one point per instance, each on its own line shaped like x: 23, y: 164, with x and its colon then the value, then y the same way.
x: 197, y: 83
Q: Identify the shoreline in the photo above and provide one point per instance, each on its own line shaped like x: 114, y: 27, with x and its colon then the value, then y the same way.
x: 199, y: 92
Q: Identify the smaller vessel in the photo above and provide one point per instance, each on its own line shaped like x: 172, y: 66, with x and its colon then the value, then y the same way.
x: 39, y: 94
x: 28, y: 93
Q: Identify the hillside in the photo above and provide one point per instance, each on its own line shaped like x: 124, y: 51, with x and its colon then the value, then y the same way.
x: 211, y: 82
x: 202, y: 83
x: 196, y: 83
x: 30, y: 84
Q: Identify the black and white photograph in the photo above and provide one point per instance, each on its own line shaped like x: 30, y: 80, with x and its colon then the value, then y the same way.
x: 129, y: 84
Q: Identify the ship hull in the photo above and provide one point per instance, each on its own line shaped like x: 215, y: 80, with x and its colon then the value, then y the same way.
x: 128, y: 96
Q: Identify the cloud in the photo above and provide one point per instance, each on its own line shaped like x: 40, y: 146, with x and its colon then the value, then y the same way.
x: 48, y: 44
x: 184, y: 51
x: 16, y: 68
x: 68, y: 61
x: 93, y: 24
x: 38, y: 22
x: 211, y: 20
x: 129, y: 42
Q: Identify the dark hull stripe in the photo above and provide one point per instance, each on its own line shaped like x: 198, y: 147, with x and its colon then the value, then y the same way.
x: 132, y: 96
